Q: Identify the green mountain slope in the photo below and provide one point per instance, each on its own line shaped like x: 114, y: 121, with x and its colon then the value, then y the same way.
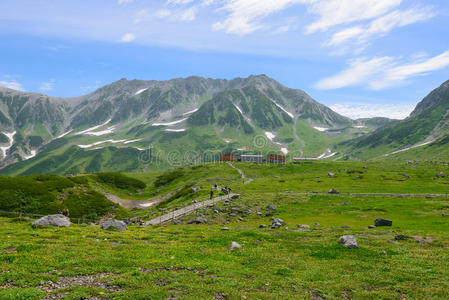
x: 428, y: 122
x: 180, y: 120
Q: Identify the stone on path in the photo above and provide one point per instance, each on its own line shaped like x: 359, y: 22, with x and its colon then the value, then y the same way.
x: 117, y: 224
x: 53, y: 220
x: 348, y: 241
x: 235, y: 245
x: 383, y: 222
x: 333, y: 191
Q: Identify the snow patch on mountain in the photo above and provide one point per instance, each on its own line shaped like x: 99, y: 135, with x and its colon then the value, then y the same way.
x: 140, y: 91
x: 169, y: 123
x: 5, y: 149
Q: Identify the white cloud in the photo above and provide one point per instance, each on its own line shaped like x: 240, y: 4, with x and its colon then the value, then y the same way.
x: 47, y: 85
x: 337, y: 12
x: 188, y: 15
x: 162, y: 13
x: 382, y: 72
x: 245, y: 15
x: 11, y: 84
x: 382, y: 25
x: 180, y: 1
x: 128, y: 37
x: 359, y: 71
x: 125, y: 1
x: 362, y: 110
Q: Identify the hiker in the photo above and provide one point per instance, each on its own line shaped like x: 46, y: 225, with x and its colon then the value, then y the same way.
x: 229, y: 190
x: 65, y: 212
x: 211, y: 194
x: 59, y: 212
x: 216, y: 186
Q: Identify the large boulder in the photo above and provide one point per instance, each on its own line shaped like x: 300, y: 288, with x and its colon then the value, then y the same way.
x: 114, y: 224
x: 53, y: 220
x: 348, y: 241
x: 276, y: 223
x: 383, y: 222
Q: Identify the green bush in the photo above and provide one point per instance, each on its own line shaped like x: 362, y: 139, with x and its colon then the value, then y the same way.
x: 168, y: 177
x: 121, y: 181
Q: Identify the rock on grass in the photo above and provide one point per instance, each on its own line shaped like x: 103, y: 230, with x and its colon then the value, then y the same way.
x: 348, y: 241
x: 114, y: 225
x: 235, y: 245
x: 53, y: 220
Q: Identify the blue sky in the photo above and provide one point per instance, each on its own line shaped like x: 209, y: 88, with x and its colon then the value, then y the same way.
x: 360, y: 57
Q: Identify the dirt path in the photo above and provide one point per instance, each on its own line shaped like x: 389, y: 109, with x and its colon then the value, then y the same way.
x: 187, y: 210
x: 137, y: 204
x: 241, y: 174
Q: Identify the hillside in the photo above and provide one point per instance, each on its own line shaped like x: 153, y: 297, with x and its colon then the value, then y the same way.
x: 142, y: 125
x: 427, y: 123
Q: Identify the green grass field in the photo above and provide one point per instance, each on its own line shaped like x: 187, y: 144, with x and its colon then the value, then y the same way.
x: 408, y: 260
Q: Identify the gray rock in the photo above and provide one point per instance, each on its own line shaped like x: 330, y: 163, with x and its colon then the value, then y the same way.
x: 345, y: 203
x: 262, y: 226
x: 117, y: 224
x: 383, y: 222
x: 259, y: 213
x: 303, y: 226
x: 236, y: 196
x: 445, y: 215
x: 371, y: 226
x: 330, y: 174
x: 225, y: 228
x: 333, y: 191
x: 177, y: 222
x: 348, y: 241
x: 53, y: 220
x: 441, y: 175
x: 196, y: 189
x: 235, y: 245
x: 345, y: 227
x: 199, y: 220
x: 271, y: 207
x: 316, y: 224
x: 277, y: 220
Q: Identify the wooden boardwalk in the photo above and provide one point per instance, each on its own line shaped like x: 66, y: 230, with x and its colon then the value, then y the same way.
x: 187, y: 210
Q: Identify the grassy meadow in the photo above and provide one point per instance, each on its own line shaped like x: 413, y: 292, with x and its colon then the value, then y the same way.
x: 408, y: 260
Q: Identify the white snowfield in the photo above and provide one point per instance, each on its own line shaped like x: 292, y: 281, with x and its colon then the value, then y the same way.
x: 321, y: 128
x: 103, y: 132
x: 328, y: 153
x: 64, y: 134
x: 93, y: 128
x: 190, y: 112
x: 284, y: 150
x: 132, y: 141
x: 239, y: 109
x: 33, y: 154
x: 408, y: 148
x: 101, y: 142
x: 5, y: 149
x: 169, y: 123
x: 270, y: 135
x: 175, y: 130
x: 359, y: 126
x: 286, y: 111
x: 140, y: 91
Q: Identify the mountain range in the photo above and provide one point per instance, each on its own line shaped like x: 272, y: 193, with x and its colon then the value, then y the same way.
x: 136, y: 125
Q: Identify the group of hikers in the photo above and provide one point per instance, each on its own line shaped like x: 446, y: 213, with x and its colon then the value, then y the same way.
x: 64, y: 211
x: 226, y: 190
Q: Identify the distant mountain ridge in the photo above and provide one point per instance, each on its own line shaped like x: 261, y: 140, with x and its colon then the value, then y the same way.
x: 126, y: 117
x: 428, y: 123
